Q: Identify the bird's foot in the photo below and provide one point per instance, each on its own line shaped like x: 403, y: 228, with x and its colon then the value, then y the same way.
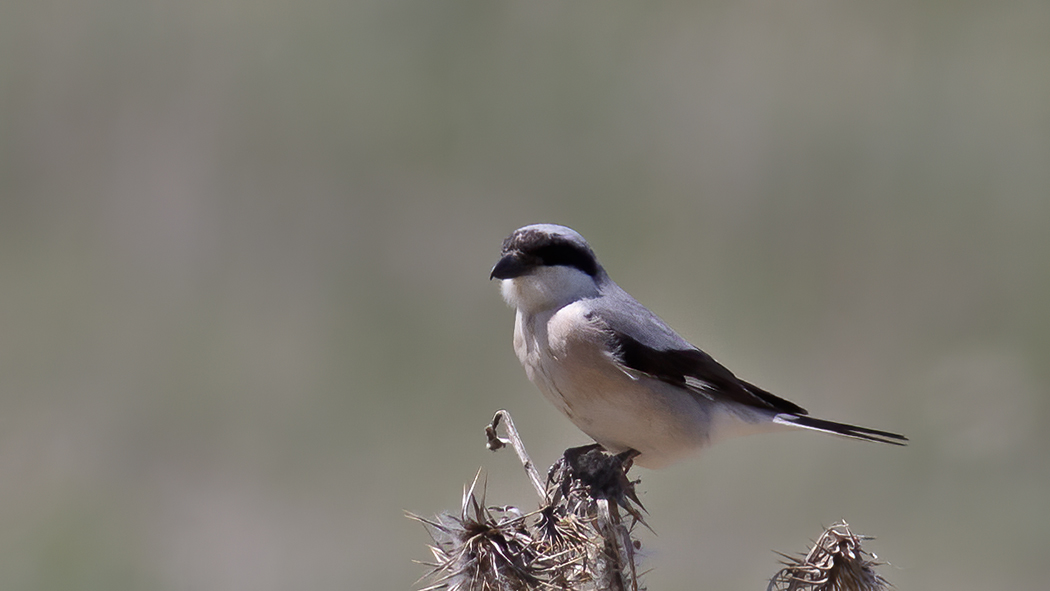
x: 603, y: 474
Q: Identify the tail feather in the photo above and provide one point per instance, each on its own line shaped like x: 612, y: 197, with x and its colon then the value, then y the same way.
x: 807, y: 422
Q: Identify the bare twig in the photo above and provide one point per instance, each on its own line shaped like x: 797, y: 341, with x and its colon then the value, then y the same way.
x: 495, y: 443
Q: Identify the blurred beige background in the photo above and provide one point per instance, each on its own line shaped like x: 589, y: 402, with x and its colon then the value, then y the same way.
x: 245, y: 319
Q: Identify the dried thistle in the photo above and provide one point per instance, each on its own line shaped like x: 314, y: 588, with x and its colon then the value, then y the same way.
x: 588, y: 487
x: 835, y: 563
x: 576, y: 540
x: 481, y: 549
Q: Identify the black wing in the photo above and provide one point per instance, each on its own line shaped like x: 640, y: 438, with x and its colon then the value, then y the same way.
x: 698, y: 372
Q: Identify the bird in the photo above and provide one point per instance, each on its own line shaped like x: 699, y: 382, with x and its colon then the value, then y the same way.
x: 618, y: 371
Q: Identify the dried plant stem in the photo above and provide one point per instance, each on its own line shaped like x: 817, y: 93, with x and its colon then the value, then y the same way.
x: 618, y: 573
x: 495, y: 442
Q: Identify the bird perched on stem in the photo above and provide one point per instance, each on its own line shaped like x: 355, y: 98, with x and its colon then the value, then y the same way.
x: 619, y: 372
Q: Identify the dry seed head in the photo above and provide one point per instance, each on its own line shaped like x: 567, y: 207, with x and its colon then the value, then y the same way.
x: 837, y: 562
x: 573, y: 542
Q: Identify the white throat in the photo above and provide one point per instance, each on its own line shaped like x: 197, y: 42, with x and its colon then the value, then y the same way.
x: 548, y: 287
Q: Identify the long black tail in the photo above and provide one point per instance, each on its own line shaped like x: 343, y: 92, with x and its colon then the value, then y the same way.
x: 807, y: 422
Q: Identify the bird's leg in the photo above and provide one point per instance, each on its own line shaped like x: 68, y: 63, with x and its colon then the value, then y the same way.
x: 627, y: 458
x: 603, y: 473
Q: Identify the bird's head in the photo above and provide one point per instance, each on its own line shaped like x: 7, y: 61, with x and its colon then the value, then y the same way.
x: 544, y: 265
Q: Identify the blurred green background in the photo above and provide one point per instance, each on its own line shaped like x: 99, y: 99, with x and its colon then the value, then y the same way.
x: 245, y: 318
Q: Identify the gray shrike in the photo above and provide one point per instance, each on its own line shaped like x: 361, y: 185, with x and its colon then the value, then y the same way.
x: 616, y: 370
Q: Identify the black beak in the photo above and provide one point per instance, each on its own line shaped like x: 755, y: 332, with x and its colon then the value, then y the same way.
x: 510, y: 266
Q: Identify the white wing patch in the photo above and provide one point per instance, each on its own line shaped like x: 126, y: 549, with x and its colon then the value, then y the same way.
x: 631, y: 373
x: 699, y: 386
